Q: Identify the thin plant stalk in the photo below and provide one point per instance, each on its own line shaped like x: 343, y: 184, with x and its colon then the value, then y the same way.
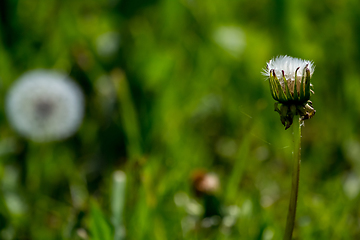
x: 295, y: 179
x: 117, y: 204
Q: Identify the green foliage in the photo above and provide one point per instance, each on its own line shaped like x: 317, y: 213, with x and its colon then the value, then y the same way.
x: 174, y: 87
x: 99, y: 227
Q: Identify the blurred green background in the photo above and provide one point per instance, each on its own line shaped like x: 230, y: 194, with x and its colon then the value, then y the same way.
x: 174, y: 90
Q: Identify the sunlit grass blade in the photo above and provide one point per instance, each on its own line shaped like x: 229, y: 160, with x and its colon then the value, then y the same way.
x: 99, y: 227
x: 130, y: 121
x: 117, y: 203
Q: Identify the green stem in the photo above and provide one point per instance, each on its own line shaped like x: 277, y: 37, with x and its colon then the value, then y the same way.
x: 295, y: 179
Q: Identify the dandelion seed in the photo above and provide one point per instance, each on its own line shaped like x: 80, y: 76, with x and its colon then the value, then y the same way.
x: 45, y: 105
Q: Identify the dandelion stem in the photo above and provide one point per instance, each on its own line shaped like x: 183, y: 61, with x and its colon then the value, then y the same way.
x: 295, y: 179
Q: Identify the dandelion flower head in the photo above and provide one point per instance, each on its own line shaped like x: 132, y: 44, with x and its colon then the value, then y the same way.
x: 289, y: 80
x: 45, y: 105
x: 288, y: 66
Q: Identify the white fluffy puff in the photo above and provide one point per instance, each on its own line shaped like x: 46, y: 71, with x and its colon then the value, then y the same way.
x: 288, y: 65
x: 45, y: 105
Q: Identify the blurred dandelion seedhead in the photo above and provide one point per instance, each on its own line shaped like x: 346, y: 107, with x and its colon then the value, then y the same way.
x: 231, y: 39
x: 45, y: 105
x: 107, y: 44
x: 290, y: 85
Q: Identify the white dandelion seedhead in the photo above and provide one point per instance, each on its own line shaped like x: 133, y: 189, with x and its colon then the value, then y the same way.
x: 289, y: 80
x: 290, y: 68
x: 45, y: 105
x: 289, y: 65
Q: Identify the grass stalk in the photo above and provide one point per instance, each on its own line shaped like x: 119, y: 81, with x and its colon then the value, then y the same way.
x: 295, y: 179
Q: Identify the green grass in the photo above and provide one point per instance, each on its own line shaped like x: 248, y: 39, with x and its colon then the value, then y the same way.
x: 176, y: 97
